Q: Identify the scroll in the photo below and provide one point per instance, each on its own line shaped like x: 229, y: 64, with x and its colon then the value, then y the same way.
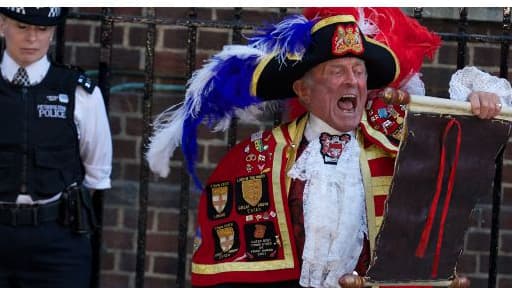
x: 445, y: 163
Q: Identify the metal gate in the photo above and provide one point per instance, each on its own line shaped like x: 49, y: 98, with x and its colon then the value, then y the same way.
x: 109, y: 21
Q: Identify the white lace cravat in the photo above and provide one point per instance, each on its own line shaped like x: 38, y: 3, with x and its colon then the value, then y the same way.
x: 334, y: 214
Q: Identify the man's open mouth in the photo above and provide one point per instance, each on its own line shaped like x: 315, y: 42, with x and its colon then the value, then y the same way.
x: 347, y: 103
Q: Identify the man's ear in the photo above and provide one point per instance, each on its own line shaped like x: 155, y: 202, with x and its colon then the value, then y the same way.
x: 301, y: 90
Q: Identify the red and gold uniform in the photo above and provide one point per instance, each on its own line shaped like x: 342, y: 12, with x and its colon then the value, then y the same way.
x: 249, y: 230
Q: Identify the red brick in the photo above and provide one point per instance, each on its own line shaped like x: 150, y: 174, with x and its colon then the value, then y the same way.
x: 130, y: 11
x: 506, y: 243
x: 78, y: 33
x: 170, y: 63
x: 478, y: 241
x: 132, y: 171
x: 182, y: 13
x: 95, y: 10
x: 486, y: 56
x: 125, y: 102
x: 154, y: 281
x: 507, y: 196
x: 117, y: 34
x: 107, y: 260
x: 504, y: 282
x: 110, y: 217
x: 215, y: 153
x: 116, y: 170
x: 115, y: 125
x: 125, y: 149
x: 167, y: 221
x: 125, y: 59
x: 128, y: 262
x: 212, y: 40
x: 467, y: 264
x: 87, y: 57
x: 271, y: 15
x: 118, y: 239
x: 165, y: 265
x: 161, y: 103
x: 162, y: 243
x: 114, y: 280
x: 131, y: 219
x: 479, y: 282
x: 505, y: 219
x: 175, y: 38
x: 134, y: 126
x: 138, y: 37
x: 448, y: 55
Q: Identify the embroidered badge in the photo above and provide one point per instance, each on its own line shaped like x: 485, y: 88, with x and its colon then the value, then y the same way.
x: 63, y: 98
x: 252, y: 194
x: 332, y: 146
x: 260, y: 241
x: 52, y: 98
x: 227, y: 241
x: 220, y: 200
x: 389, y: 119
x: 347, y: 39
x: 51, y: 111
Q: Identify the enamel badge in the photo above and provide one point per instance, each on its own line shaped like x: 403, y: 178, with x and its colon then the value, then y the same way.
x: 332, y: 146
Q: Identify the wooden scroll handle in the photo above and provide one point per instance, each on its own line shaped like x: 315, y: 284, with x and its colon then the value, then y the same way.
x: 351, y: 281
x: 355, y: 281
x: 460, y: 282
x: 392, y: 95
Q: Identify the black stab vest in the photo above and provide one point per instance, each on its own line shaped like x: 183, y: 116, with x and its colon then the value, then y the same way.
x: 39, y: 151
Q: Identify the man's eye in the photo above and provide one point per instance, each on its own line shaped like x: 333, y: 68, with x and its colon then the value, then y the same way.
x: 20, y: 26
x: 42, y: 28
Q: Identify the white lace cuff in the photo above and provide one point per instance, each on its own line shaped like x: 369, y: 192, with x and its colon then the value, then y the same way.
x: 470, y: 79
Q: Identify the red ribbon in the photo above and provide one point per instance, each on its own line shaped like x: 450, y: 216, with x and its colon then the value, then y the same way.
x: 425, y: 235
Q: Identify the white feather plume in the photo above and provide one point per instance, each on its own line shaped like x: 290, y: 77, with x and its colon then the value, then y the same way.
x: 167, y: 130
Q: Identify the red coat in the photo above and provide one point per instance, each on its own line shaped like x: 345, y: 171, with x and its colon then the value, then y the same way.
x: 245, y: 232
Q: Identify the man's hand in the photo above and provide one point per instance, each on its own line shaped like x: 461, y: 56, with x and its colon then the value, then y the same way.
x: 484, y: 105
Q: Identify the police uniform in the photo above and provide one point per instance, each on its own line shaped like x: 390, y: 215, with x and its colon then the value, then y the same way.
x: 55, y: 139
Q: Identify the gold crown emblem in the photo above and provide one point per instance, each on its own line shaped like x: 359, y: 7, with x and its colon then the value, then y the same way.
x: 347, y: 39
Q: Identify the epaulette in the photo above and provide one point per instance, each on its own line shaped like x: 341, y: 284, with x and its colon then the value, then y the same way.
x: 85, y: 82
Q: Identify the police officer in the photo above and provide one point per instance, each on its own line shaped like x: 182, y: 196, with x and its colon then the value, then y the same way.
x: 55, y: 140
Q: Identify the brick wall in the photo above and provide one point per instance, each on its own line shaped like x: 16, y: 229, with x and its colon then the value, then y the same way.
x: 119, y: 247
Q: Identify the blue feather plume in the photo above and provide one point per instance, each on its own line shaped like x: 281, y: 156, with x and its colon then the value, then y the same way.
x: 226, y: 88
x: 290, y: 36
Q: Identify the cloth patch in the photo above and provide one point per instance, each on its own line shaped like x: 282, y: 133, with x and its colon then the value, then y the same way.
x: 227, y: 240
x: 252, y: 194
x: 220, y: 200
x: 51, y: 111
x: 347, y: 39
x: 261, y: 241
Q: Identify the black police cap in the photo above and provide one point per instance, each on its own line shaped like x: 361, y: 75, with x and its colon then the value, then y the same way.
x: 41, y: 16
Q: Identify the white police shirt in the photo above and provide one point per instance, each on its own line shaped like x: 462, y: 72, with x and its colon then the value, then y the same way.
x: 91, y: 120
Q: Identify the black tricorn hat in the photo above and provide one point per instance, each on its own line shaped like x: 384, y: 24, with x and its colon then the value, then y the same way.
x: 41, y: 16
x: 332, y: 37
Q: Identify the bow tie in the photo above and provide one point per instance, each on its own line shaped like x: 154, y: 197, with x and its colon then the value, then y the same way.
x: 332, y: 146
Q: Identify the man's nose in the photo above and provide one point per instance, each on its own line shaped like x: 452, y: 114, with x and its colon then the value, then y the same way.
x: 350, y: 78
